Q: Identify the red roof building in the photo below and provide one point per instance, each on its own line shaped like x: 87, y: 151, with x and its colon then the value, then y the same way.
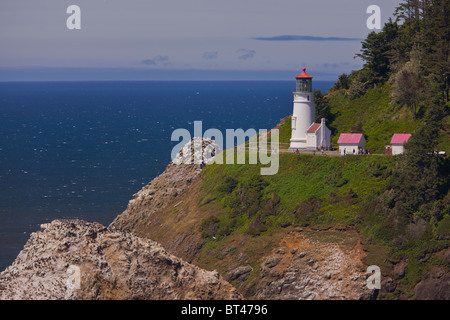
x: 350, y: 138
x: 400, y: 138
x: 351, y: 143
x: 397, y: 141
x: 314, y: 127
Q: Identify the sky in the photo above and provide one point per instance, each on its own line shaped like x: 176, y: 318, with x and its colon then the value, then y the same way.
x: 183, y: 39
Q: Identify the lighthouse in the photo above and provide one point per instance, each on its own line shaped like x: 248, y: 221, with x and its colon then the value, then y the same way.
x: 306, y: 134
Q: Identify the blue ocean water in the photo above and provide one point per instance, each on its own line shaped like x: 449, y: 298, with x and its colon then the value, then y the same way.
x: 82, y: 149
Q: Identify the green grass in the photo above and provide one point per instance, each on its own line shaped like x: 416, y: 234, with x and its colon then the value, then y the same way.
x: 307, y: 189
x: 285, y: 131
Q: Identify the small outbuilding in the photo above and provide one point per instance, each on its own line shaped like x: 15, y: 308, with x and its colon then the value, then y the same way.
x: 351, y: 143
x: 318, y: 136
x: 397, y: 142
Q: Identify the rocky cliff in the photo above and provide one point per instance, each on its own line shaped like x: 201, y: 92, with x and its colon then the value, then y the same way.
x: 286, y: 265
x: 312, y: 265
x: 75, y: 259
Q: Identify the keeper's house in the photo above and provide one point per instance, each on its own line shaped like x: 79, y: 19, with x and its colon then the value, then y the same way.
x: 351, y: 143
x: 397, y: 142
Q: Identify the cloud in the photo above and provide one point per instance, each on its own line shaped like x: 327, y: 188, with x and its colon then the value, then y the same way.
x: 246, y: 54
x: 304, y: 38
x: 155, y: 61
x: 210, y: 55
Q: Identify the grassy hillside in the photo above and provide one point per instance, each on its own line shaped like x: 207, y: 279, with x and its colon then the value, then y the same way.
x: 317, y: 192
x: 312, y: 190
x: 370, y: 114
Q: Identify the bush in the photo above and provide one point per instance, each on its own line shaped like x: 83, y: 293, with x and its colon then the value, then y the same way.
x: 360, y: 84
x: 443, y: 227
x: 209, y: 227
x: 272, y: 206
x: 256, y: 226
x: 350, y: 197
x: 257, y: 183
x: 228, y: 185
x: 335, y: 179
x: 226, y: 227
x: 307, y: 208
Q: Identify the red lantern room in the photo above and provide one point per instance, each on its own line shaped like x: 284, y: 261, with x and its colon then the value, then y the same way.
x: 303, y: 82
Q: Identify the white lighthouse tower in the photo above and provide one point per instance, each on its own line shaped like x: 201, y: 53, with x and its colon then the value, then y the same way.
x: 304, y: 111
x: 306, y: 134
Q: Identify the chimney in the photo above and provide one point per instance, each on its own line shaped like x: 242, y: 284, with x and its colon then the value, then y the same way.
x: 322, y: 133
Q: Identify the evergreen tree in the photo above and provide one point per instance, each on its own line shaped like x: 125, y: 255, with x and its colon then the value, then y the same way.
x: 377, y: 50
x: 435, y: 45
x: 420, y: 176
x: 343, y: 82
x: 407, y: 87
x: 323, y: 109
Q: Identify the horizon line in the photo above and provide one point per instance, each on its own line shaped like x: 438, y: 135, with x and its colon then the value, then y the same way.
x: 287, y: 37
x: 33, y: 74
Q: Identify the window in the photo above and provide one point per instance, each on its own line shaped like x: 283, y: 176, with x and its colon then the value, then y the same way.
x: 303, y: 85
x: 294, y: 120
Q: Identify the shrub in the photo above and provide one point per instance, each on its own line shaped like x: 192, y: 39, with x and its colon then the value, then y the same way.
x: 335, y: 179
x: 256, y: 226
x: 209, y: 227
x: 228, y: 185
x: 272, y: 206
x: 307, y: 208
x: 443, y: 227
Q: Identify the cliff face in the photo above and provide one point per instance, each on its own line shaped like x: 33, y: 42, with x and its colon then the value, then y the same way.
x: 311, y: 265
x: 75, y: 259
x: 166, y: 209
x: 156, y: 196
x: 286, y: 265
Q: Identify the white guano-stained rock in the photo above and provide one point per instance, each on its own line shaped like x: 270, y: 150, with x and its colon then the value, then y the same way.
x: 75, y: 259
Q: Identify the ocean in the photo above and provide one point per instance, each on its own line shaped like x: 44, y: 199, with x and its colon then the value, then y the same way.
x: 82, y: 149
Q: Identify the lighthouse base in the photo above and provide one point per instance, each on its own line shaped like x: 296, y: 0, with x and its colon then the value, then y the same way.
x: 298, y: 144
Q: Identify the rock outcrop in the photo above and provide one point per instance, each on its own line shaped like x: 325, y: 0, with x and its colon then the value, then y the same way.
x: 75, y: 259
x: 156, y: 195
x: 306, y: 269
x: 435, y: 285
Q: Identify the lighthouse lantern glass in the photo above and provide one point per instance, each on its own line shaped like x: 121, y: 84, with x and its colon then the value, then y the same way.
x: 304, y: 85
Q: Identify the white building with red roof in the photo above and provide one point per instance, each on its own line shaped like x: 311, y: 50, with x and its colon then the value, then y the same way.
x: 397, y: 142
x: 351, y: 143
x: 318, y: 136
x: 306, y: 134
